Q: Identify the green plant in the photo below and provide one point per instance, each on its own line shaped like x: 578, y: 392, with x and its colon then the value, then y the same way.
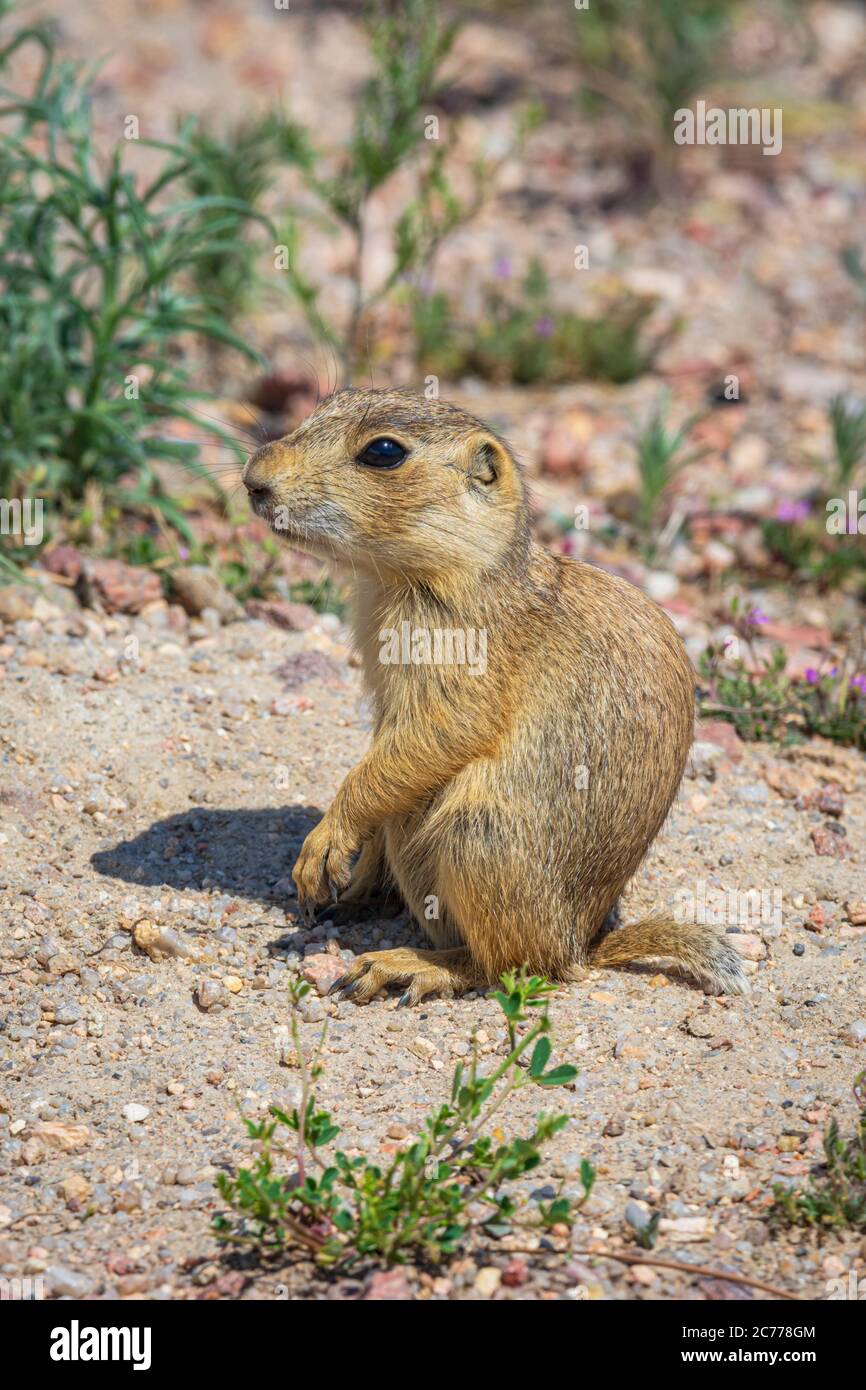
x: 393, y: 130
x: 651, y: 56
x: 848, y: 426
x: 808, y: 551
x: 764, y: 703
x: 325, y: 595
x: 757, y: 703
x: 234, y: 170
x: 852, y: 263
x: 647, y: 1236
x: 836, y: 1196
x: 451, y: 1180
x: 522, y: 337
x: 97, y: 297
x: 660, y: 457
x: 792, y: 543
x: 408, y: 45
x: 801, y: 536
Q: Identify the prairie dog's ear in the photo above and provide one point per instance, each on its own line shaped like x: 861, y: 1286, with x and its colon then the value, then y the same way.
x: 486, y: 459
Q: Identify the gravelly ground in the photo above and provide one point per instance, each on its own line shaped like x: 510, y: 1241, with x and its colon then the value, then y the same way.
x: 146, y: 771
x: 154, y: 770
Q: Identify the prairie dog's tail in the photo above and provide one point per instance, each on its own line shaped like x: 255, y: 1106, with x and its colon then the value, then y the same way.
x: 707, y: 955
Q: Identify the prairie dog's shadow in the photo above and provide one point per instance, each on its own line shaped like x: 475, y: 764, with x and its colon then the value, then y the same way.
x: 242, y: 852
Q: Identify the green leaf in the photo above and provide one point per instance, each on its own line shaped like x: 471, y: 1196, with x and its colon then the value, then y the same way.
x: 456, y: 1082
x: 540, y: 1057
x: 559, y: 1076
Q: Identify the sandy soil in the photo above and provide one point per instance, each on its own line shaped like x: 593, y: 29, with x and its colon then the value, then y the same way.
x: 170, y: 775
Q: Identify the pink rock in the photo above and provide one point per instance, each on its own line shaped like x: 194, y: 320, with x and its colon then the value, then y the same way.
x: 747, y: 944
x: 177, y: 618
x: 285, y: 705
x: 309, y: 665
x: 515, y: 1273
x: 63, y: 559
x: 829, y: 845
x: 811, y: 637
x: 322, y: 971
x: 563, y: 452
x: 107, y: 584
x: 828, y: 800
x: 718, y: 731
x: 117, y: 588
x: 389, y: 1285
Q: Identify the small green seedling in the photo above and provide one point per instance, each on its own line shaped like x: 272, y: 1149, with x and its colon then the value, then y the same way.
x: 660, y: 456
x: 835, y: 1196
x: 451, y: 1181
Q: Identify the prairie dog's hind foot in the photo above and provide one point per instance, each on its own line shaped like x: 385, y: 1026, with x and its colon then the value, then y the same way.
x: 423, y: 973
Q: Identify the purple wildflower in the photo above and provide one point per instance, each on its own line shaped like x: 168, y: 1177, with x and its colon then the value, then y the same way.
x: 502, y: 268
x: 796, y: 510
x: 756, y: 616
x: 811, y: 675
x: 859, y: 683
x: 544, y: 326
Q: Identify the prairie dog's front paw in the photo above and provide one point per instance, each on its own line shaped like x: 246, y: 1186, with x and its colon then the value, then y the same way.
x: 324, y: 865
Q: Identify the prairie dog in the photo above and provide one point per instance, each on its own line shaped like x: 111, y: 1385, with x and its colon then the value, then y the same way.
x: 509, y: 797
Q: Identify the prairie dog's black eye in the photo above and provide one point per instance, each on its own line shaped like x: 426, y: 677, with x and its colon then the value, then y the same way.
x: 382, y: 453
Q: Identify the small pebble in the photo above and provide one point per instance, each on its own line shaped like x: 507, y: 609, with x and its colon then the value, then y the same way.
x: 135, y: 1113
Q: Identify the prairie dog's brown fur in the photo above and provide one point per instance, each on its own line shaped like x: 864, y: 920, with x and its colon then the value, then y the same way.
x: 509, y: 804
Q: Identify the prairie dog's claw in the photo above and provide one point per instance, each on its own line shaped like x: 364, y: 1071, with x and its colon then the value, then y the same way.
x: 445, y: 973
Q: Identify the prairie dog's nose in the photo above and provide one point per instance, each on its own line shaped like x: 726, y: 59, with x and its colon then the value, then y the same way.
x: 254, y: 477
x: 266, y: 469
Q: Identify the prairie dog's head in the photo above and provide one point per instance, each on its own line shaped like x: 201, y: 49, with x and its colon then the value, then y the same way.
x: 388, y: 481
